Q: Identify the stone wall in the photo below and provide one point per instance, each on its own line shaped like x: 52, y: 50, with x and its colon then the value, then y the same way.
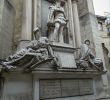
x: 17, y: 87
x: 87, y: 17
x: 18, y: 6
x: 6, y: 28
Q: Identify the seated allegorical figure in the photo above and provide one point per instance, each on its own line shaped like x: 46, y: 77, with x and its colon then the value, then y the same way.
x: 87, y: 58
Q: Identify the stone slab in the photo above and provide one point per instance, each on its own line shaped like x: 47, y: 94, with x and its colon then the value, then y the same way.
x: 59, y: 88
x: 86, y: 86
x: 65, y: 54
x: 50, y: 89
x: 70, y: 87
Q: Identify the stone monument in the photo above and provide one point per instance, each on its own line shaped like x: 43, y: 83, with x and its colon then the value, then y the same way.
x: 46, y: 67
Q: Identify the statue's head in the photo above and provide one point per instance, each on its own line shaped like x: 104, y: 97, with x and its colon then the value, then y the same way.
x: 33, y: 44
x: 43, y: 41
x: 60, y: 2
x: 87, y: 42
x: 36, y: 30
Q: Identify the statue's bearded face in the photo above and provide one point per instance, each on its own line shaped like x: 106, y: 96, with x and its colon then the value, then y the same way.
x: 43, y: 42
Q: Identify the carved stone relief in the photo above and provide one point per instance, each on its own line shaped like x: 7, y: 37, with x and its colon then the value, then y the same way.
x: 35, y: 53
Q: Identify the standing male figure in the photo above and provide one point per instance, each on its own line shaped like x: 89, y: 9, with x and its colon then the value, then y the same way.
x: 57, y: 17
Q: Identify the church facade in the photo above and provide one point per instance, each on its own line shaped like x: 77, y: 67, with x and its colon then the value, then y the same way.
x: 50, y: 50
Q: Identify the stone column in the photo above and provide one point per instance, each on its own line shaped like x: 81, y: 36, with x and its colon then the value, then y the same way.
x: 39, y: 13
x: 76, y: 24
x: 26, y: 34
x: 35, y: 14
x: 71, y: 23
x: 35, y: 88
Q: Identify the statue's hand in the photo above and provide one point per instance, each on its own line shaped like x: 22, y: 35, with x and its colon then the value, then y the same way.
x: 67, y: 20
x: 50, y: 22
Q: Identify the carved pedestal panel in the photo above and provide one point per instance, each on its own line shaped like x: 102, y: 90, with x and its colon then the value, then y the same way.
x: 65, y: 88
x: 65, y: 54
x: 50, y: 89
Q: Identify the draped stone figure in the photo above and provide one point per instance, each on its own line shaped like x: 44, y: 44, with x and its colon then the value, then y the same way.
x: 57, y: 18
x: 36, y: 52
x: 87, y: 58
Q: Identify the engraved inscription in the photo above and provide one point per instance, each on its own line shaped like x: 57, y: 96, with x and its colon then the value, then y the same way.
x: 86, y: 86
x: 70, y: 87
x: 50, y: 89
x: 65, y: 88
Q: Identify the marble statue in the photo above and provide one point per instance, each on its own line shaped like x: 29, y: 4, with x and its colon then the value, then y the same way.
x: 39, y: 50
x: 36, y: 33
x: 58, y: 19
x: 87, y: 57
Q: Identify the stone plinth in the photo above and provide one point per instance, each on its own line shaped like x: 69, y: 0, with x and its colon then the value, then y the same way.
x: 65, y: 54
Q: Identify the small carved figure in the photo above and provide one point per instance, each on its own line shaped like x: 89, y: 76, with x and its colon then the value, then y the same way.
x: 87, y: 58
x: 36, y: 33
x: 57, y: 18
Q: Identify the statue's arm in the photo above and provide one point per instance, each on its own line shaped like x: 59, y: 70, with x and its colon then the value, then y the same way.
x: 51, y: 14
x: 92, y: 55
x: 50, y: 50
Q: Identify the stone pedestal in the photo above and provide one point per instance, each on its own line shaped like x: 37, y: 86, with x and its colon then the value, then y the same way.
x: 65, y: 54
x: 64, y: 85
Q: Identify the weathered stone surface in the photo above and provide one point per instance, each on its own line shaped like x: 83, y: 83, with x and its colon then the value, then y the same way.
x: 65, y: 88
x: 86, y: 86
x: 44, y: 16
x: 18, y: 6
x: 70, y: 87
x: 65, y: 54
x: 22, y: 89
x: 17, y: 87
x: 7, y: 29
x: 82, y: 7
x: 50, y: 89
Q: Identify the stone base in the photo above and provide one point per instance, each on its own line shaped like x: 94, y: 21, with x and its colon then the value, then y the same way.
x: 81, y: 85
x: 65, y: 54
x: 64, y: 86
x: 103, y: 95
